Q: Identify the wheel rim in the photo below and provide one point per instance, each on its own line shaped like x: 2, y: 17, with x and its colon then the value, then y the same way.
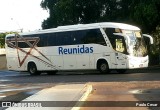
x: 103, y: 67
x: 32, y: 70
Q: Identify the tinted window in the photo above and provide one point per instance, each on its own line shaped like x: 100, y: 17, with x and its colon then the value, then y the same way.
x: 11, y: 44
x: 117, y: 42
x: 43, y: 40
x: 10, y: 41
x: 94, y: 36
x: 23, y: 45
x: 109, y: 32
x: 51, y: 39
x: 68, y: 38
x: 29, y: 40
x: 64, y: 38
x: 79, y: 36
x: 89, y: 36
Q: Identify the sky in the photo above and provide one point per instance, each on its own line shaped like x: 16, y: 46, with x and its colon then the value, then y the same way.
x: 21, y: 14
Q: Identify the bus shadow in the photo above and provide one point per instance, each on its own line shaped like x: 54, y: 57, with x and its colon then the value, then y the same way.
x: 145, y: 70
x: 113, y: 72
x: 76, y: 73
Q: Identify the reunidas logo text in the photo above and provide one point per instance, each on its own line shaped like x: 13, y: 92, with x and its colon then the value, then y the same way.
x: 78, y: 50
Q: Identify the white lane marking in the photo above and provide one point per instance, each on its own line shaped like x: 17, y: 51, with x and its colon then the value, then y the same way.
x: 3, y: 80
x: 25, y: 88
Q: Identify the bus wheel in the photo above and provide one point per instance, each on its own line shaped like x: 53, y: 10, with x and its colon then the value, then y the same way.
x: 32, y: 69
x: 121, y: 70
x: 103, y: 67
x: 51, y: 72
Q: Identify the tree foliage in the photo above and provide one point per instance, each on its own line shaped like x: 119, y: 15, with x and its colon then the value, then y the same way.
x: 144, y: 13
x: 2, y: 38
x: 147, y: 14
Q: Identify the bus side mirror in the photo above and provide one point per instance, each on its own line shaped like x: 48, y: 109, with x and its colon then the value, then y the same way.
x: 150, y: 38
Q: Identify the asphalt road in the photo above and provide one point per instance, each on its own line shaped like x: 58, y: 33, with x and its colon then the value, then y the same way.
x: 19, y: 85
x: 9, y: 77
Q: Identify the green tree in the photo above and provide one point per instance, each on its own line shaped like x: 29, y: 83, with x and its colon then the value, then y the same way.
x: 143, y: 13
x: 2, y: 40
x: 67, y: 12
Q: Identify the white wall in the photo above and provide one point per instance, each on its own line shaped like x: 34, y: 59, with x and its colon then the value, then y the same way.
x: 2, y: 51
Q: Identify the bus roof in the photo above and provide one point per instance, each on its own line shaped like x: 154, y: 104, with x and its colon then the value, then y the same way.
x: 85, y: 26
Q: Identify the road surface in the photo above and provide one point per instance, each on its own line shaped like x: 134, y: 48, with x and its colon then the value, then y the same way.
x: 19, y: 85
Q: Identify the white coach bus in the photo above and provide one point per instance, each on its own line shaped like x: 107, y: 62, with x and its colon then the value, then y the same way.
x: 98, y: 46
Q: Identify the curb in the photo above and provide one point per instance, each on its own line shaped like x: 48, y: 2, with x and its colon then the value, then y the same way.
x: 83, y: 98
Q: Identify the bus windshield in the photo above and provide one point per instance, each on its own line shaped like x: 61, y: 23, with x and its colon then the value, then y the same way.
x: 136, y: 44
x: 129, y: 42
x: 117, y: 41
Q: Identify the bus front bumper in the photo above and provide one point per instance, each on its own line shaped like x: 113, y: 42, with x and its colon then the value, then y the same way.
x: 138, y: 62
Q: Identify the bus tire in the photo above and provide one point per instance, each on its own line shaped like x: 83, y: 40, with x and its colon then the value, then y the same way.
x: 32, y: 69
x: 51, y: 72
x: 103, y: 67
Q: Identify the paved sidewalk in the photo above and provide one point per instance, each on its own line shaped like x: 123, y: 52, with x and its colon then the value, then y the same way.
x: 117, y: 92
x: 3, y: 62
x: 56, y: 97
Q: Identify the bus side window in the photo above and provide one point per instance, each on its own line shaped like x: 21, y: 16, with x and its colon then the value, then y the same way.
x: 51, y: 39
x: 93, y: 36
x: 68, y: 38
x: 43, y: 39
x: 60, y: 38
x: 11, y: 44
x: 100, y: 38
x: 120, y: 44
x: 78, y: 36
x: 117, y: 42
x: 23, y: 45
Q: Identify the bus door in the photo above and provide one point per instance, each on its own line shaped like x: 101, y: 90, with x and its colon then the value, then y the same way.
x: 120, y: 54
x: 119, y: 45
x: 120, y: 60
